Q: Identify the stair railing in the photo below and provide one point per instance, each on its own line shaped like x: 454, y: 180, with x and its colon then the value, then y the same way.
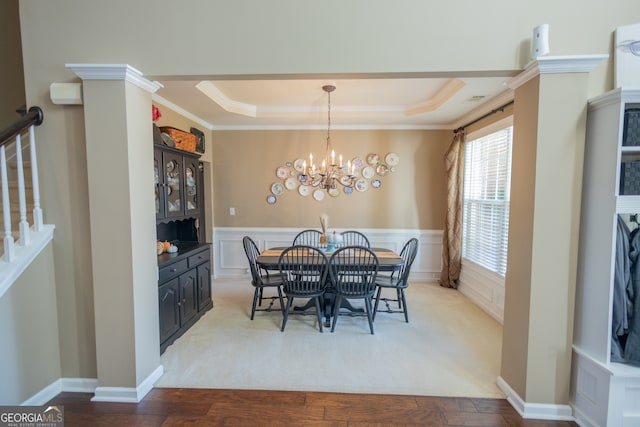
x: 11, y: 134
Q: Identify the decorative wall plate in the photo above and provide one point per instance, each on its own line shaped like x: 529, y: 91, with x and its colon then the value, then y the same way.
x: 392, y: 159
x: 318, y: 195
x: 382, y: 169
x: 334, y: 192
x: 373, y: 159
x: 357, y: 162
x: 348, y: 190
x: 282, y: 172
x: 361, y: 185
x: 303, y: 178
x: 345, y: 180
x: 304, y: 190
x: 376, y: 183
x: 271, y: 199
x: 368, y: 172
x: 290, y: 183
x: 299, y: 165
x: 276, y: 188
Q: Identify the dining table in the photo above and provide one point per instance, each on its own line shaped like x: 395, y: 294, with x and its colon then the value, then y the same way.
x: 388, y: 261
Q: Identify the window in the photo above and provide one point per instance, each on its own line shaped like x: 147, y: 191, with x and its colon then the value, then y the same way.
x: 485, y: 217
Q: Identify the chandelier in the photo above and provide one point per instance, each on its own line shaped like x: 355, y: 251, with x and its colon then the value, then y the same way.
x: 330, y: 172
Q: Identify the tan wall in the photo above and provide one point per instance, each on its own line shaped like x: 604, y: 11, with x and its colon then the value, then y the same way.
x: 30, y: 356
x: 412, y: 197
x: 242, y: 38
x: 11, y: 74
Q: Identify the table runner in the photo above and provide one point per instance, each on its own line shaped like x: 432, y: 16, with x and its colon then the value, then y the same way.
x: 379, y: 254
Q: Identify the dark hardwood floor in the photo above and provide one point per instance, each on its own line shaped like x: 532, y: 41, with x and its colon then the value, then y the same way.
x: 212, y: 407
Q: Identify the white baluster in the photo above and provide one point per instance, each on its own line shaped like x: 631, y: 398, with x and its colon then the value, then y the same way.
x: 25, y: 237
x: 37, y: 211
x: 9, y: 249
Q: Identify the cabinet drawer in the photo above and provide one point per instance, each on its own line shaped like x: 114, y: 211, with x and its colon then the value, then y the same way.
x: 172, y: 270
x: 198, y: 258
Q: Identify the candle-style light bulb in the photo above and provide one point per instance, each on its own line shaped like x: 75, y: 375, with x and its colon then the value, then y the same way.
x: 310, y: 158
x: 333, y: 157
x: 304, y: 166
x: 340, y: 161
x: 348, y: 166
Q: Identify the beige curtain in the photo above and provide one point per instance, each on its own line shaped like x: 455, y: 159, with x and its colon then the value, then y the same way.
x: 452, y: 235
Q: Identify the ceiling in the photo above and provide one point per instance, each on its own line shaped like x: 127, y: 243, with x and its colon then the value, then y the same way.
x: 375, y: 103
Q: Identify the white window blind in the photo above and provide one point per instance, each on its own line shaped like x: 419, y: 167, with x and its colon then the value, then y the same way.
x: 485, y: 217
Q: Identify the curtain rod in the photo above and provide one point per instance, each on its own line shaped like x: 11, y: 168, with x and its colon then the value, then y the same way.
x: 501, y: 108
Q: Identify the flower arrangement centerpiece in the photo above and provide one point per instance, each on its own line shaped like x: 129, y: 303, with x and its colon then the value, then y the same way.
x: 332, y: 239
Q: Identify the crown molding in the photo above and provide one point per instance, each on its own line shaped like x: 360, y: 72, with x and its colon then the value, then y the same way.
x: 557, y: 65
x: 165, y: 102
x: 114, y: 72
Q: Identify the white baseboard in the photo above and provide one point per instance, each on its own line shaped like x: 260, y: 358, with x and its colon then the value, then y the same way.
x: 90, y: 385
x: 75, y: 385
x: 44, y: 395
x: 128, y: 394
x: 79, y: 385
x: 539, y: 411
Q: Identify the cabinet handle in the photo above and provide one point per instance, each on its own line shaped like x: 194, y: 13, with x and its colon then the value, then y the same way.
x: 173, y: 270
x: 179, y: 303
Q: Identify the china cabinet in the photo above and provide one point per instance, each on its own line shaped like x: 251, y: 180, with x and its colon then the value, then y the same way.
x: 184, y: 284
x: 603, y: 392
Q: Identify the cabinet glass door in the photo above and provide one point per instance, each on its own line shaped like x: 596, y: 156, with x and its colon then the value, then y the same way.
x: 191, y: 185
x: 159, y: 183
x: 173, y: 184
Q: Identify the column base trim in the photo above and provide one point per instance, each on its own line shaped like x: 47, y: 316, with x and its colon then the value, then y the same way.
x: 128, y: 394
x: 539, y: 411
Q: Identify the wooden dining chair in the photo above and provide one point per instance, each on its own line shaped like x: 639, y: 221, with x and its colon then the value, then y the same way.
x: 308, y: 237
x: 353, y: 271
x: 304, y: 275
x: 398, y: 280
x: 354, y: 238
x: 261, y: 279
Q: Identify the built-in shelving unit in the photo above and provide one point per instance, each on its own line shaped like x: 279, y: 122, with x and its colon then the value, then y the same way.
x: 604, y: 393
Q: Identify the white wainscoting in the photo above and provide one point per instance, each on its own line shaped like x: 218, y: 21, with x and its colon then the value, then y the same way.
x: 485, y: 288
x: 604, y: 394
x: 229, y: 259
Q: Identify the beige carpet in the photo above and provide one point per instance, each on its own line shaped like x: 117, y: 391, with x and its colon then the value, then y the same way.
x: 449, y: 348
